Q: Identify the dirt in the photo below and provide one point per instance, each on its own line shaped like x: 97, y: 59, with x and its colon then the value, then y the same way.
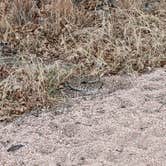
x: 122, y: 125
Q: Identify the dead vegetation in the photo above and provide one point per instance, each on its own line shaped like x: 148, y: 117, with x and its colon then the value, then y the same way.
x: 56, y: 39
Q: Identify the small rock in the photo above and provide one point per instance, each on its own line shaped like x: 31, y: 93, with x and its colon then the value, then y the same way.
x: 15, y: 147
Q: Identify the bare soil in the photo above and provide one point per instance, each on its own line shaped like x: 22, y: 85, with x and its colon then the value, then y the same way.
x: 122, y: 125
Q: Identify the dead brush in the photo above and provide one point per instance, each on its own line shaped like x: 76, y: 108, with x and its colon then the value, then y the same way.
x: 22, y: 89
x: 119, y: 40
x: 5, y: 26
x: 31, y: 86
x: 24, y: 11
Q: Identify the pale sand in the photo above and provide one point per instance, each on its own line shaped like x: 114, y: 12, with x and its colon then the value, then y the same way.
x: 123, y: 125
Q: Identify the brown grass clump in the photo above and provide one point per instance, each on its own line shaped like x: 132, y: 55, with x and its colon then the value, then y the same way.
x: 128, y: 38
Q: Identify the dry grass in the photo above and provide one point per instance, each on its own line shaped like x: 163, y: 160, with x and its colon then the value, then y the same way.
x: 57, y: 39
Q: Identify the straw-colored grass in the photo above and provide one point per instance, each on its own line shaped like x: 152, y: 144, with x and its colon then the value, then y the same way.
x: 56, y: 39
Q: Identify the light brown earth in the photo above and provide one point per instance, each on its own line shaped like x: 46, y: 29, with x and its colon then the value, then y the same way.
x: 122, y: 125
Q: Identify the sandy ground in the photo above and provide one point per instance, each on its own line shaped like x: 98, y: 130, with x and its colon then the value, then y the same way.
x: 123, y: 125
